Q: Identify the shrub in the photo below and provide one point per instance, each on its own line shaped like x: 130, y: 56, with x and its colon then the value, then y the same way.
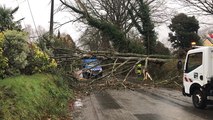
x: 18, y: 56
x: 16, y: 49
x: 39, y: 61
x: 3, y: 60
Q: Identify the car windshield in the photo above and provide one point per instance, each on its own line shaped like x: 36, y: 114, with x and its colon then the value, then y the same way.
x: 92, y: 64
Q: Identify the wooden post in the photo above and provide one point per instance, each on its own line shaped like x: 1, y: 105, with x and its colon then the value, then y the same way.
x: 51, y: 19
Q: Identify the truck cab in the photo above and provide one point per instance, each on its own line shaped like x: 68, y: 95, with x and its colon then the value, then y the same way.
x: 198, y: 76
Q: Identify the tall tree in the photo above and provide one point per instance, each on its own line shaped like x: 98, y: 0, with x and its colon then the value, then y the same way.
x: 110, y: 11
x: 112, y: 18
x: 141, y: 18
x: 7, y: 19
x: 184, y: 31
x: 108, y: 28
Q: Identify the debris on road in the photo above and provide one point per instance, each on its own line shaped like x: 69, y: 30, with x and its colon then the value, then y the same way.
x: 78, y: 104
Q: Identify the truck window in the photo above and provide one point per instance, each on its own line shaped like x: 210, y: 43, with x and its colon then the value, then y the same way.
x: 194, y: 61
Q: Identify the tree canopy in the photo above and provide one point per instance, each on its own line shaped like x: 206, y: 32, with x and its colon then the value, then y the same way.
x: 7, y: 19
x: 141, y: 18
x: 184, y: 31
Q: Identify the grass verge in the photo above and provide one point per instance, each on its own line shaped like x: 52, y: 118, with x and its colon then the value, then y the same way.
x: 39, y: 96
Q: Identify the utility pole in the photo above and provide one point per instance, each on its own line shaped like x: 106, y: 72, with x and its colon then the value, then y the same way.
x: 51, y: 19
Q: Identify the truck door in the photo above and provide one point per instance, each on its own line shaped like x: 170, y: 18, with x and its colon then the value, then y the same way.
x: 193, y: 70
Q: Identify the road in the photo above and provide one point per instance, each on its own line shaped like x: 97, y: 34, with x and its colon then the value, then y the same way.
x: 141, y: 104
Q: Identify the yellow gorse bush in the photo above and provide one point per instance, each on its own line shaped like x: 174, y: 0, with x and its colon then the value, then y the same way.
x: 42, y: 61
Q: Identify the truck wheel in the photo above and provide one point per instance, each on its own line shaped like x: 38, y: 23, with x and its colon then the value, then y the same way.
x: 199, y: 99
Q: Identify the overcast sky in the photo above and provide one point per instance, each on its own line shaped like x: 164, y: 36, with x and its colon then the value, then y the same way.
x: 41, y: 13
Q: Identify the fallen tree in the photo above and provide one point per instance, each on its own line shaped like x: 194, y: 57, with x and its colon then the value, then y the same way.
x: 117, y: 67
x: 103, y: 55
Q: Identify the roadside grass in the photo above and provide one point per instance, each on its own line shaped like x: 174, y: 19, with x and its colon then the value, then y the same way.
x: 33, y: 97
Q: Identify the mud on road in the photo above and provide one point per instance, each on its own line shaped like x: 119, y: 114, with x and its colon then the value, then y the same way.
x: 142, y: 104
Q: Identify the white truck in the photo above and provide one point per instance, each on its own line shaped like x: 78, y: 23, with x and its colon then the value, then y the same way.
x: 198, y: 76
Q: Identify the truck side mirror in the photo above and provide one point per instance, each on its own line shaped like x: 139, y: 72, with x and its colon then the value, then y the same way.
x: 179, y: 65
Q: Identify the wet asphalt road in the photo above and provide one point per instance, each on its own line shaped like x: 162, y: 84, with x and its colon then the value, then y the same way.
x: 142, y: 104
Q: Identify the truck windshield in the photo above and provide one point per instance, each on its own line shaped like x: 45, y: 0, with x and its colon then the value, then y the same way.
x: 194, y: 60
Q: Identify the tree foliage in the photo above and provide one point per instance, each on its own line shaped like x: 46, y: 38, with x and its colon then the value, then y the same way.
x: 161, y: 49
x: 18, y: 56
x: 141, y: 18
x: 16, y: 49
x: 7, y: 20
x: 184, y: 31
x: 45, y: 43
x: 38, y: 61
x: 3, y: 59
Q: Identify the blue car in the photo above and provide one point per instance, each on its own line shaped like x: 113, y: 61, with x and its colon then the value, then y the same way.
x: 91, y: 68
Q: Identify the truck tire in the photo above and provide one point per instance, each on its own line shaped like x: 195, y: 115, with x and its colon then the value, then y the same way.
x: 199, y: 99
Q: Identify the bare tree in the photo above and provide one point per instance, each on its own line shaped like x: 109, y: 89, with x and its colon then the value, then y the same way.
x: 34, y: 34
x: 160, y: 12
x: 204, y: 6
x: 112, y: 16
x: 115, y: 11
x: 92, y: 40
x: 88, y: 14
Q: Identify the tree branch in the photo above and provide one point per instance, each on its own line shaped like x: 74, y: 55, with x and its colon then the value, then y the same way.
x: 72, y: 7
